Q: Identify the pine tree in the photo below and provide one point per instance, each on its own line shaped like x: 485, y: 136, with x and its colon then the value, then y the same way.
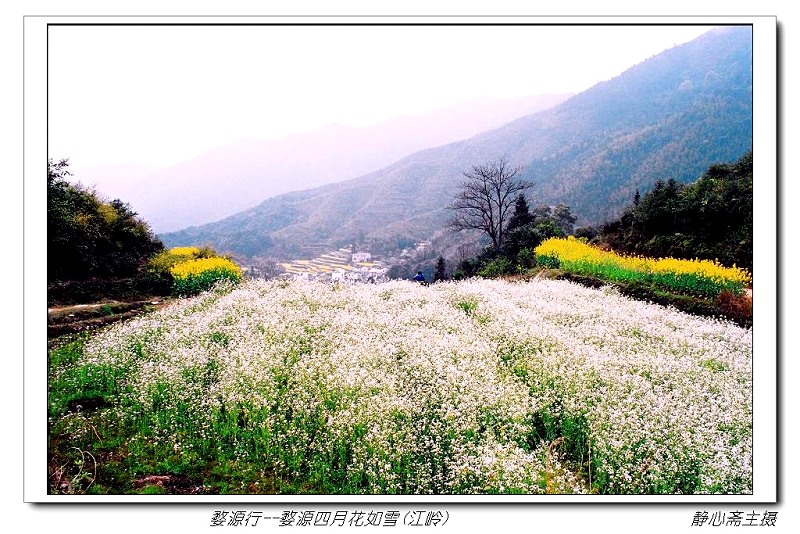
x: 521, y: 215
x: 440, y: 273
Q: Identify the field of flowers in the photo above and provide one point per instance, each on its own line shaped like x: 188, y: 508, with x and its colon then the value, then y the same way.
x: 472, y: 387
x: 703, y: 278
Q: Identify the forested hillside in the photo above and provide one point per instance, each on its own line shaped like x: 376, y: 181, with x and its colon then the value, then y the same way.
x: 670, y: 117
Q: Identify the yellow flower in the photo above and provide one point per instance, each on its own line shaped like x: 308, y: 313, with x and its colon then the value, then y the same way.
x: 184, y: 251
x: 198, y: 267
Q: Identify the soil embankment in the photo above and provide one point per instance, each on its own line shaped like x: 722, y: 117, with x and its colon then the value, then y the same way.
x: 77, y: 318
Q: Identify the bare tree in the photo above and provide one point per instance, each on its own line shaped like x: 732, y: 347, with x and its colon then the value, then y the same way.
x: 266, y: 268
x: 486, y: 199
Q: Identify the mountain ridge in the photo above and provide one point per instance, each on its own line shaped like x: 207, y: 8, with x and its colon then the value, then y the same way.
x: 224, y: 180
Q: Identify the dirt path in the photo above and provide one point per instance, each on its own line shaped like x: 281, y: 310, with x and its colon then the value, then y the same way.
x: 82, y: 317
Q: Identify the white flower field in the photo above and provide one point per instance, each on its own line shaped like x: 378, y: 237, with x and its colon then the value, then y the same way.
x: 471, y: 387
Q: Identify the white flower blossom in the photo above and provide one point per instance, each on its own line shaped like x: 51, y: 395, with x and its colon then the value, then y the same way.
x: 469, y: 387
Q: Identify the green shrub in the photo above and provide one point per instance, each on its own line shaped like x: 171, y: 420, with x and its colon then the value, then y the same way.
x: 526, y: 258
x: 496, y: 267
x: 549, y: 261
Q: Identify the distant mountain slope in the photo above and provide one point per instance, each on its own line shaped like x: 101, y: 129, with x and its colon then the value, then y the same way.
x: 229, y: 179
x: 671, y: 116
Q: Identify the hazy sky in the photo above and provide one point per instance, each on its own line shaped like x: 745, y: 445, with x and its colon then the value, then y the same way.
x: 159, y: 95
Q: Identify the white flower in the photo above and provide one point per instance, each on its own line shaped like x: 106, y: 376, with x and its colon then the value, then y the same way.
x: 468, y: 399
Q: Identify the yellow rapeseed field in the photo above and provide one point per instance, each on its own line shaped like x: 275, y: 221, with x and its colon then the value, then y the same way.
x: 575, y: 254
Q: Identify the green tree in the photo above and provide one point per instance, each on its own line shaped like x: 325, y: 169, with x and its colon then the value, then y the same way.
x: 544, y: 222
x: 711, y: 218
x: 564, y: 219
x: 440, y: 274
x: 542, y: 213
x: 521, y: 215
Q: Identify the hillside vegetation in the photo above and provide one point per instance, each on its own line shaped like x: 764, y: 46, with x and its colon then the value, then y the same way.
x: 684, y: 245
x: 711, y: 218
x: 90, y: 237
x: 95, y: 249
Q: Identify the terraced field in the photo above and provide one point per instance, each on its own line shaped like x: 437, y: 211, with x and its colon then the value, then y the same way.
x: 325, y: 264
